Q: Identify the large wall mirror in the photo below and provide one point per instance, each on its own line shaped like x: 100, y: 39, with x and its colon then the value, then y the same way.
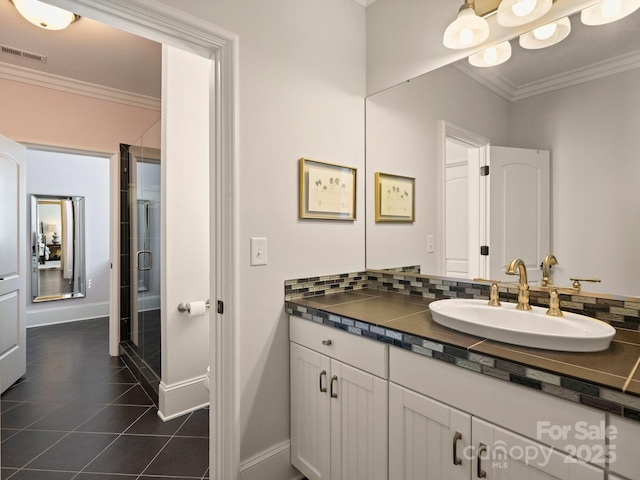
x: 579, y: 100
x: 57, y: 247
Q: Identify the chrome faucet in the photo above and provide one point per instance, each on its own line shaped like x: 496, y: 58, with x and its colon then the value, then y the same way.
x: 548, y: 261
x: 517, y: 267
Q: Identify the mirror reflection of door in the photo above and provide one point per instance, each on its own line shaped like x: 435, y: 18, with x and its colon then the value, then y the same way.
x: 144, y: 210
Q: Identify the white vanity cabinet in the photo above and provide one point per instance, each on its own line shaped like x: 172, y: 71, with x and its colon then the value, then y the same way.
x: 339, y: 399
x: 448, y: 423
x: 624, y: 444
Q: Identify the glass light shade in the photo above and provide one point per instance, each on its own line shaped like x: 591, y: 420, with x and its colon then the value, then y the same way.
x: 608, y: 11
x: 468, y: 30
x: 491, y: 56
x: 43, y: 15
x: 546, y: 35
x: 512, y: 13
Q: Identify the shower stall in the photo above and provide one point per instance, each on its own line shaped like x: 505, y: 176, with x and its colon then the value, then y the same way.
x: 140, y: 257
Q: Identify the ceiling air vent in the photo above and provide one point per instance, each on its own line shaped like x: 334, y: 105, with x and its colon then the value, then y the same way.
x: 24, y: 54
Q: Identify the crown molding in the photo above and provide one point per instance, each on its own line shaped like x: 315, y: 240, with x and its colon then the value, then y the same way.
x: 511, y: 92
x: 77, y: 87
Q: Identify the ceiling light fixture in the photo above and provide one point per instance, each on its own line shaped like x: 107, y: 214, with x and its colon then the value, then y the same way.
x: 44, y: 15
x: 546, y: 35
x: 492, y: 56
x: 513, y: 13
x: 608, y: 11
x: 467, y: 30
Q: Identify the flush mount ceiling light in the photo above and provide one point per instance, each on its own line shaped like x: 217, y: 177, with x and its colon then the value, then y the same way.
x: 467, y: 30
x: 512, y: 13
x: 608, y: 11
x: 44, y: 15
x: 546, y: 35
x: 492, y: 56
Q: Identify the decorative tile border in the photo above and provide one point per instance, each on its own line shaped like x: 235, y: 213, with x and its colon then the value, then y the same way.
x: 324, y: 285
x: 568, y: 388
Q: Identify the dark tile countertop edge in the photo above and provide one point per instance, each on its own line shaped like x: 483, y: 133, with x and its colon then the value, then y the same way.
x: 605, y: 380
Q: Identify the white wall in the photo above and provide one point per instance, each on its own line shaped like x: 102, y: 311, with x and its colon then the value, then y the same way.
x: 52, y: 173
x: 185, y: 229
x: 591, y: 131
x: 402, y: 138
x: 302, y: 84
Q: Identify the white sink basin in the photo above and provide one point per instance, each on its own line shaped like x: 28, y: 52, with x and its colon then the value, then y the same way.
x: 570, y: 333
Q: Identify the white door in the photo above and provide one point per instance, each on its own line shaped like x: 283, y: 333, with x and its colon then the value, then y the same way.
x: 358, y: 428
x: 310, y: 415
x: 519, y: 210
x: 427, y: 439
x: 13, y: 262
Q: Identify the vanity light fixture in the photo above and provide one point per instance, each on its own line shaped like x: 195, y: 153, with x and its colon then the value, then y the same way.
x: 512, y: 13
x: 546, y: 35
x: 44, y: 15
x: 492, y: 56
x: 608, y: 11
x: 467, y: 30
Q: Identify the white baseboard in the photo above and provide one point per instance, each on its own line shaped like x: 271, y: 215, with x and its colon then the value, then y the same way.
x: 181, y: 398
x: 62, y: 312
x: 271, y: 464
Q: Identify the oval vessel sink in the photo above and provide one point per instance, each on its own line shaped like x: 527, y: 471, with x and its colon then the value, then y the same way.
x: 570, y: 333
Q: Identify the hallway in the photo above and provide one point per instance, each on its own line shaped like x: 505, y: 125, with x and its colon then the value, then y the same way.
x: 80, y: 414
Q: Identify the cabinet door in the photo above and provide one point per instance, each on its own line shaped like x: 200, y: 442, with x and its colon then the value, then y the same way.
x: 427, y: 439
x: 310, y: 413
x: 502, y: 455
x: 624, y: 438
x: 358, y: 424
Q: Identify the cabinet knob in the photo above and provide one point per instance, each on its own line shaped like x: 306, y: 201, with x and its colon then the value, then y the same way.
x: 327, y: 342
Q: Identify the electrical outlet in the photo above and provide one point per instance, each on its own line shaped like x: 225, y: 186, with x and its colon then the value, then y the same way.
x: 258, y: 251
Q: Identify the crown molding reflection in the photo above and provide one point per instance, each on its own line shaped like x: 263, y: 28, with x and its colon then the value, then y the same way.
x: 512, y: 92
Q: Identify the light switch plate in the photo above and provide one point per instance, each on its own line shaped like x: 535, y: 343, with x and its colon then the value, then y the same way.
x: 430, y: 243
x: 258, y: 251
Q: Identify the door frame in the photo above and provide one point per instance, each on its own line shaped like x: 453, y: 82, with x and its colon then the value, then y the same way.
x: 449, y: 130
x: 170, y: 26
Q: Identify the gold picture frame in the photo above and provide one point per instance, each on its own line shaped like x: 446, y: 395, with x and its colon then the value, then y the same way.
x: 395, y: 198
x: 327, y: 191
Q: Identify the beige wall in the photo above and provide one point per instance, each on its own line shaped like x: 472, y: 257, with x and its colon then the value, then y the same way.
x: 35, y: 114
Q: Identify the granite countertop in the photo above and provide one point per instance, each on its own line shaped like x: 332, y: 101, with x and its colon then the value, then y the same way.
x: 608, y: 380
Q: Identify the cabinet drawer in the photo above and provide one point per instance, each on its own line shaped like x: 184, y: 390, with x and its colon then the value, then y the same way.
x: 363, y: 353
x: 624, y: 441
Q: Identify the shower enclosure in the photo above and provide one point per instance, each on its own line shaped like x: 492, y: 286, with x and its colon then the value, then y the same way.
x: 140, y: 248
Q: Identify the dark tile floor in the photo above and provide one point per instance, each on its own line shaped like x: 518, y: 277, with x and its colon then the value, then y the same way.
x: 80, y: 414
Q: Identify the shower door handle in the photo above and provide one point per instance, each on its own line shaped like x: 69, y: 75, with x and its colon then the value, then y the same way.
x: 140, y: 252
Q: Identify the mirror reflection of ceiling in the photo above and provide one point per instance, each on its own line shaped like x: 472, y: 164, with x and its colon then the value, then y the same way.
x: 87, y: 51
x: 581, y: 53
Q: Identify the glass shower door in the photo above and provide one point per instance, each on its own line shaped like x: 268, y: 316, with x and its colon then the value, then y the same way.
x: 144, y: 211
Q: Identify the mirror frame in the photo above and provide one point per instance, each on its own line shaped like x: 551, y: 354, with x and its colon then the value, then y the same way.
x: 78, y: 276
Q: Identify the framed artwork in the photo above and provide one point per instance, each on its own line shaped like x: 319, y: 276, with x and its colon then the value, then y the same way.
x: 395, y: 198
x: 327, y: 191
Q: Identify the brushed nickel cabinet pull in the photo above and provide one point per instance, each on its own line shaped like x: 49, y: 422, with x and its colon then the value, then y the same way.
x: 456, y: 460
x: 334, y: 393
x: 327, y: 342
x: 323, y: 373
x: 482, y: 448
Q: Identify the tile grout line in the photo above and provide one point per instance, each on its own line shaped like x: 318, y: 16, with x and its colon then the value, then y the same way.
x: 631, y: 375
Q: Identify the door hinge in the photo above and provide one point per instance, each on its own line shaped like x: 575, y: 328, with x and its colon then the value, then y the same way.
x: 220, y: 307
x: 484, y: 170
x: 484, y: 250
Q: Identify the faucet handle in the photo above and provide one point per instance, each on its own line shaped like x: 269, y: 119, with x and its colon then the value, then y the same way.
x: 576, y: 281
x: 494, y: 296
x: 554, y: 302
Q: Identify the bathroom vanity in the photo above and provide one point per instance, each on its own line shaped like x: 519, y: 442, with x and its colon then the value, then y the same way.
x: 379, y: 390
